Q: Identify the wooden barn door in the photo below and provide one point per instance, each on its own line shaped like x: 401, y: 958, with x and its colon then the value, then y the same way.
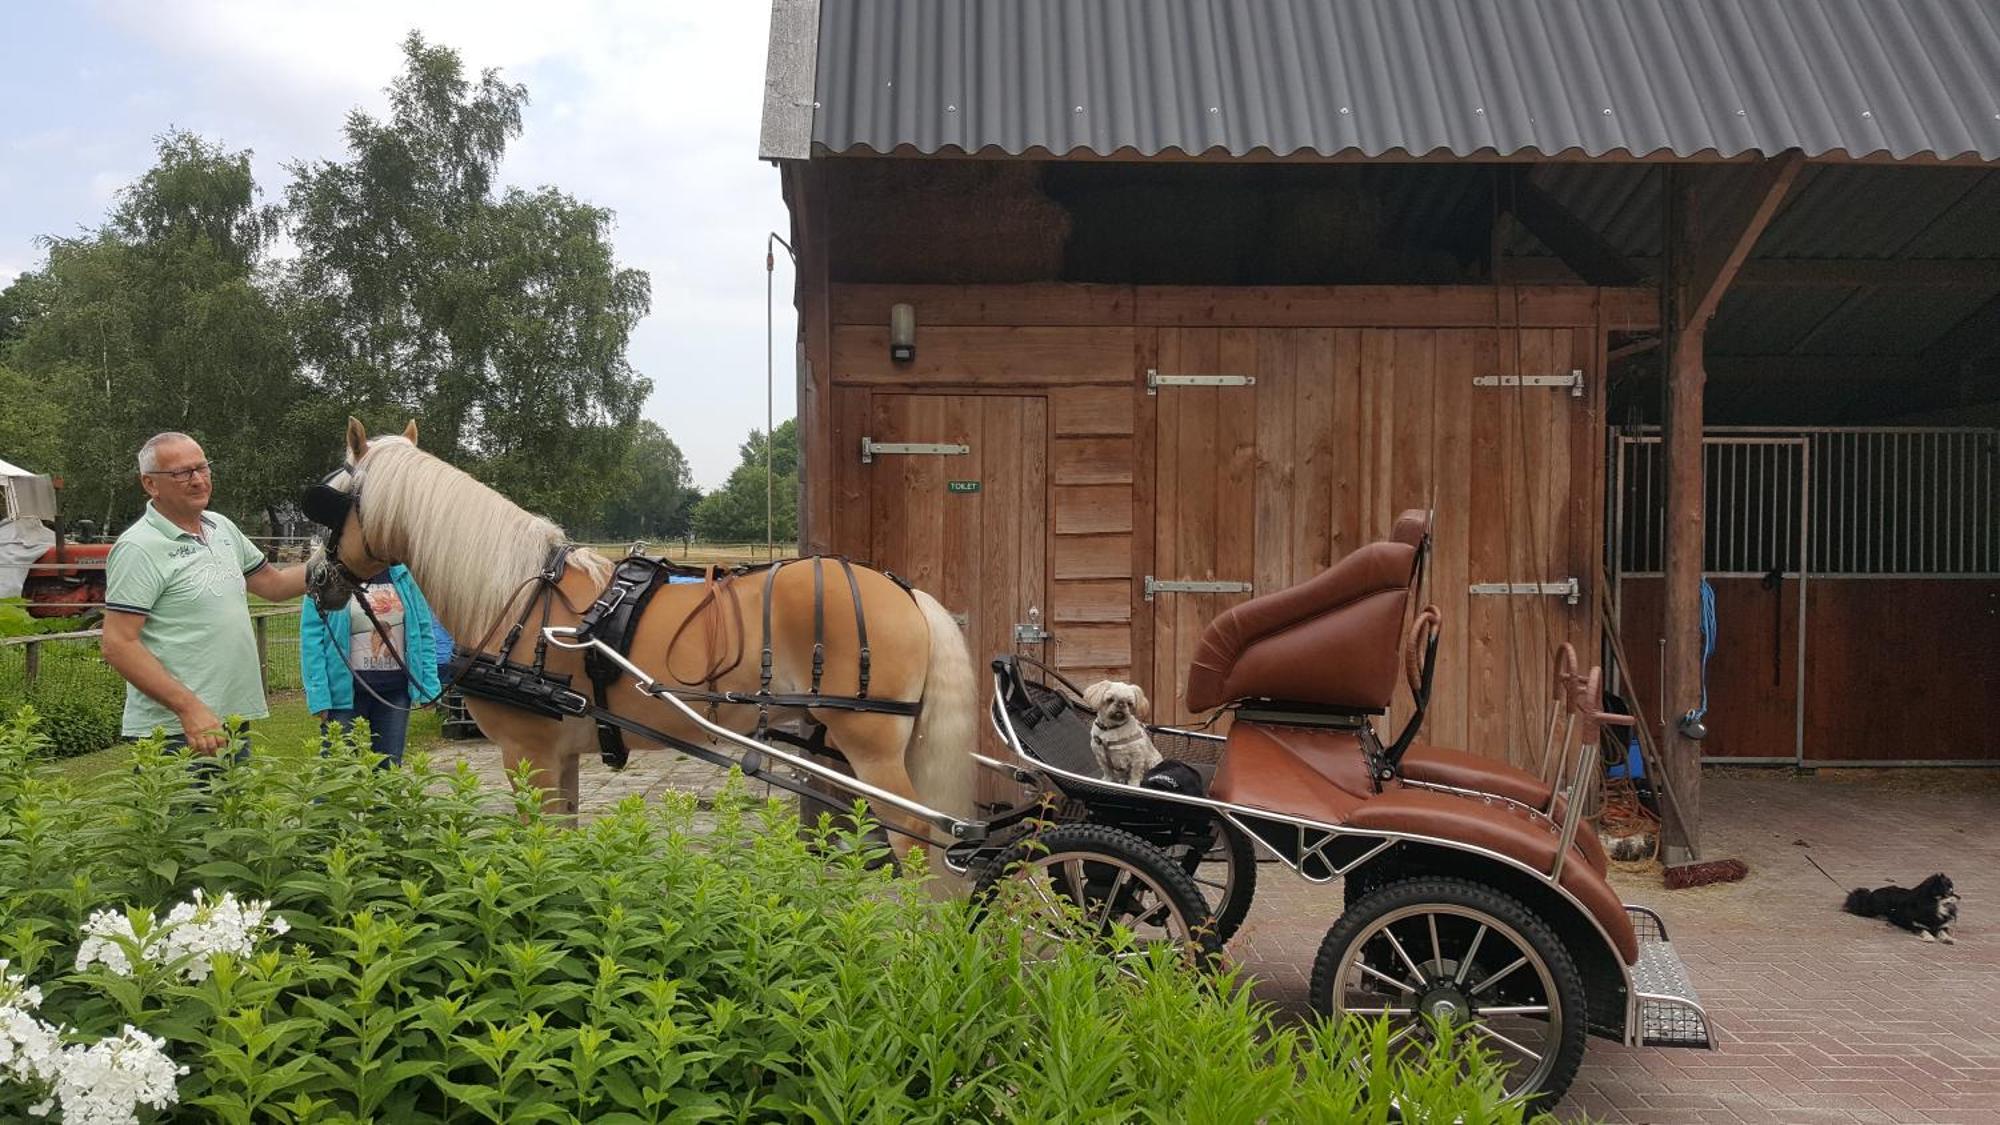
x: 1269, y: 482
x: 969, y: 528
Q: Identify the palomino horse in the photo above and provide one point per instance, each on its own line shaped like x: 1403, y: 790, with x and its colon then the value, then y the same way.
x: 476, y: 557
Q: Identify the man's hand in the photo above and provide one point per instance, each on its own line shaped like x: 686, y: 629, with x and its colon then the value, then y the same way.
x: 204, y: 731
x: 136, y: 663
x: 275, y: 584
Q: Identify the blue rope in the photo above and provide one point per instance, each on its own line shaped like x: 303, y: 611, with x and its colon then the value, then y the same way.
x: 1707, y: 643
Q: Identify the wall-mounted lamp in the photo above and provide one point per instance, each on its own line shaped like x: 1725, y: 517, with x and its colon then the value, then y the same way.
x: 902, y: 333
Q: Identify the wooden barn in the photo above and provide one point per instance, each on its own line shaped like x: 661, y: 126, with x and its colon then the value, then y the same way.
x: 1112, y: 315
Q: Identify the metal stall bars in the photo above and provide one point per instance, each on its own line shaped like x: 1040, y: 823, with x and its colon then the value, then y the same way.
x: 1817, y: 505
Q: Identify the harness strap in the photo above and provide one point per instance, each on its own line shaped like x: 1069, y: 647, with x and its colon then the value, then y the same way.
x: 551, y: 574
x: 611, y: 619
x: 860, y: 624
x: 819, y: 622
x: 716, y: 628
x: 794, y: 699
x: 764, y: 670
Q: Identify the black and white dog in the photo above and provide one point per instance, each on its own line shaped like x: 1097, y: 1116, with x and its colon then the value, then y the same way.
x: 1117, y: 738
x: 1929, y: 911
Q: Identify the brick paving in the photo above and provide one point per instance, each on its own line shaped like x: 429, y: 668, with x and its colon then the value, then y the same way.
x: 1821, y: 1016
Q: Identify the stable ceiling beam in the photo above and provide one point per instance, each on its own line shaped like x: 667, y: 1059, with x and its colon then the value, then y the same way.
x: 1580, y: 247
x: 1976, y: 335
x: 1803, y: 273
x: 1729, y: 228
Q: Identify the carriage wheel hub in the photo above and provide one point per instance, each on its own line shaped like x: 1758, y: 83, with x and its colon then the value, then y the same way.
x: 1446, y: 1004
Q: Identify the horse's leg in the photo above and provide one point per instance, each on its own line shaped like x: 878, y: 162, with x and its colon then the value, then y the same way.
x: 548, y: 747
x: 873, y: 746
x: 554, y: 771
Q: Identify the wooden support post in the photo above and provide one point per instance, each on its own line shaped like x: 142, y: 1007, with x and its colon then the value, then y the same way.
x: 259, y: 623
x: 1710, y: 228
x: 33, y: 652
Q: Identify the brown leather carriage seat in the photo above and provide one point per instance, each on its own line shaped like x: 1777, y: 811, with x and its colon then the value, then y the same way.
x: 1442, y: 765
x: 1333, y: 640
x: 1312, y: 773
x: 1321, y: 774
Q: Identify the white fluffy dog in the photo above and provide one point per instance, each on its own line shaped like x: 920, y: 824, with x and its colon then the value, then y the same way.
x: 1124, y: 751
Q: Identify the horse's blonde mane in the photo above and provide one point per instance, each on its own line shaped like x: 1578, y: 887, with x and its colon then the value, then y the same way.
x: 468, y: 547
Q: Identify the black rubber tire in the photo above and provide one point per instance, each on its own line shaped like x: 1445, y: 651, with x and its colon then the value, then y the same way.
x: 1428, y: 890
x: 1105, y: 844
x: 1239, y: 852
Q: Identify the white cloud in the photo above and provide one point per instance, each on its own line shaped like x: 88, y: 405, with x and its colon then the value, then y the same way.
x: 649, y: 108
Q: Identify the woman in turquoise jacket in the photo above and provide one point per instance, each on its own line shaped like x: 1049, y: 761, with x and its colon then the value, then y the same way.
x: 346, y: 666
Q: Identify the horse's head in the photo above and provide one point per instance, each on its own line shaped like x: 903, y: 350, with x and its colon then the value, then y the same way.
x: 347, y: 555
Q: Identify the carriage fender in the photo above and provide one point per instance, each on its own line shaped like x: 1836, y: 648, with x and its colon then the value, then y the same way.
x: 1449, y: 819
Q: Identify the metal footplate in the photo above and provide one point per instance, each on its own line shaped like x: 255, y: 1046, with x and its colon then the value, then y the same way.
x: 1667, y: 1010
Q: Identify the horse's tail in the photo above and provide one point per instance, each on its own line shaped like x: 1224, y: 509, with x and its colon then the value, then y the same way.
x: 939, y: 756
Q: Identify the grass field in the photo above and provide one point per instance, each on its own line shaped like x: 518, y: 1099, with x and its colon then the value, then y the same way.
x: 289, y: 725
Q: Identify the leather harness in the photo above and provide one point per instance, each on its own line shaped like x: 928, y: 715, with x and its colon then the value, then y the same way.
x: 613, y: 617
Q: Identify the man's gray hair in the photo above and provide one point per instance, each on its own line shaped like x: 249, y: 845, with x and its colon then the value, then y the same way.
x: 149, y: 453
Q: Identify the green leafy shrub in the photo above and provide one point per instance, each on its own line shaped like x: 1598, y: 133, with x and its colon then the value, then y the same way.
x: 452, y: 955
x: 16, y: 621
x: 78, y: 723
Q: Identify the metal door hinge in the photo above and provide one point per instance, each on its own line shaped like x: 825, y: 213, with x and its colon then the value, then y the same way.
x: 870, y: 447
x: 1155, y: 380
x: 1175, y: 586
x: 1569, y: 589
x: 1573, y: 380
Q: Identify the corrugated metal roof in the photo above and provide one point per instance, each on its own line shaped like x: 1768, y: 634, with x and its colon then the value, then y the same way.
x: 1582, y: 78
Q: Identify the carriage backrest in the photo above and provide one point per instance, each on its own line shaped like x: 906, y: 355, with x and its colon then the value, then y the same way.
x: 1334, y: 640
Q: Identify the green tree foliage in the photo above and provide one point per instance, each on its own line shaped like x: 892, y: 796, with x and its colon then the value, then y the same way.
x: 158, y: 321
x: 31, y: 423
x: 735, y: 512
x: 500, y: 321
x: 652, y: 496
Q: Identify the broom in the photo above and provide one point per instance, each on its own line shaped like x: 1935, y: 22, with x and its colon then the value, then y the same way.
x: 1701, y: 873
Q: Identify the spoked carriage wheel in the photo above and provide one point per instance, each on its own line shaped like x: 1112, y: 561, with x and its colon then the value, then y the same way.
x: 1226, y: 875
x: 1080, y: 879
x: 1458, y: 951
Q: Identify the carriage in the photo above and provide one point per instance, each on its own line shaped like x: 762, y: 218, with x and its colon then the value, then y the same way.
x: 1472, y: 894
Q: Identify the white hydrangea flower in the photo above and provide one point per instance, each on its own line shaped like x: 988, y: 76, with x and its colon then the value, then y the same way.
x: 196, y: 930
x: 30, y: 1050
x: 99, y: 946
x: 102, y: 1083
x: 199, y: 930
x: 16, y: 992
x: 106, y: 1082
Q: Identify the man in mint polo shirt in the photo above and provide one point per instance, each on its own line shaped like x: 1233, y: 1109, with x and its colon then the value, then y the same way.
x: 176, y: 623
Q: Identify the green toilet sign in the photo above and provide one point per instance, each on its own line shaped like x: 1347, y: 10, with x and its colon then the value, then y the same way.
x: 961, y: 486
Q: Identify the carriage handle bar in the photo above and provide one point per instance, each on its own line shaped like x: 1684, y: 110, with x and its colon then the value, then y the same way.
x: 966, y: 831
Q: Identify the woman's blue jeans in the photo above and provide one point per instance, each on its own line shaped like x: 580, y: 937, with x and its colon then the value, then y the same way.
x: 388, y: 726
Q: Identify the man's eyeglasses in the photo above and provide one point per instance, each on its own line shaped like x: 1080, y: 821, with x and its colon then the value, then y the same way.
x: 206, y: 468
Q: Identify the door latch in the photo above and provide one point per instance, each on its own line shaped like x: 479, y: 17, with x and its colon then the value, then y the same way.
x: 1030, y: 632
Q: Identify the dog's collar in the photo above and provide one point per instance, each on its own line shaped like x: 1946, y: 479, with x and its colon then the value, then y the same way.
x: 1136, y: 736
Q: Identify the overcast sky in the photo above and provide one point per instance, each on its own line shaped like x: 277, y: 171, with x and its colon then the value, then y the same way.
x: 647, y: 107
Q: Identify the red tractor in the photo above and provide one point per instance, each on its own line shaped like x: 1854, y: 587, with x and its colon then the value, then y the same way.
x: 57, y: 575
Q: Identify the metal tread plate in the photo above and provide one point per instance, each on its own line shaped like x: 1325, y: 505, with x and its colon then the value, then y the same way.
x: 1670, y: 1012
